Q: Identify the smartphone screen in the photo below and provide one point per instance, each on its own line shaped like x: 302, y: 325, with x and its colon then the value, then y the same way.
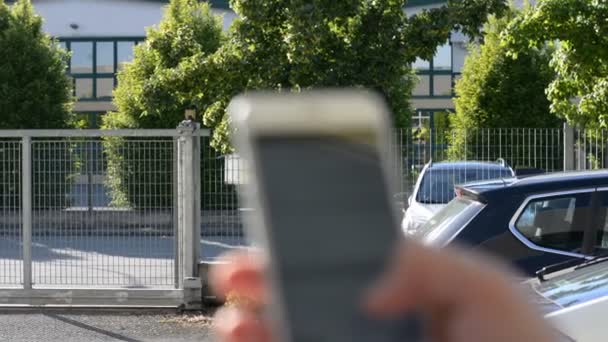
x: 332, y: 230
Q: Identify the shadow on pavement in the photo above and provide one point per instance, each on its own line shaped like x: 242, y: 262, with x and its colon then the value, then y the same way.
x: 81, y: 325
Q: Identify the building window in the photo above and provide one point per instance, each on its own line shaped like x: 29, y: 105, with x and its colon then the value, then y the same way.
x: 95, y: 62
x: 436, y: 78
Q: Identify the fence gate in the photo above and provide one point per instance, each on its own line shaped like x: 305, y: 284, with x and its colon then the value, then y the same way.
x: 103, y: 218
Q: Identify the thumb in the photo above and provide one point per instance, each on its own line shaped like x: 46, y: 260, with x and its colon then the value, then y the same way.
x: 424, y: 277
x: 392, y: 293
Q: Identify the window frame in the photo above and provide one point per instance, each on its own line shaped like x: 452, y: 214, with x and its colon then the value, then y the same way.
x: 431, y: 73
x: 588, y: 234
x: 94, y: 75
x: 599, y: 225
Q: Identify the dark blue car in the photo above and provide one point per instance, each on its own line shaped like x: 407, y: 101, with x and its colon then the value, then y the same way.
x: 531, y: 221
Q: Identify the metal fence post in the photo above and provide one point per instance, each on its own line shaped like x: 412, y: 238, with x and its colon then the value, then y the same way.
x: 187, y: 204
x: 197, y: 198
x: 569, y: 164
x: 26, y: 209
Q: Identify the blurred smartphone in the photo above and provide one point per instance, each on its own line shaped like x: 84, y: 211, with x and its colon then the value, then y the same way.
x: 323, y: 212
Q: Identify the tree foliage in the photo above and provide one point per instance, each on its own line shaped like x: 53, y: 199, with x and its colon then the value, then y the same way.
x: 289, y: 45
x: 579, y: 30
x: 35, y: 92
x: 153, y: 90
x: 34, y: 89
x: 497, y: 91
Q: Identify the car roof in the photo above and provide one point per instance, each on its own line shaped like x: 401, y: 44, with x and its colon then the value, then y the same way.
x: 467, y: 164
x: 547, y: 182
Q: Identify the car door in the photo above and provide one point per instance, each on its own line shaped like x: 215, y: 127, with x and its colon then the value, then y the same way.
x: 558, y: 226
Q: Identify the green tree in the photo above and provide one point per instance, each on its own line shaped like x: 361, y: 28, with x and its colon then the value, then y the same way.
x: 498, y: 91
x: 579, y: 30
x: 286, y: 45
x: 290, y: 45
x: 34, y: 93
x: 153, y: 92
x: 34, y: 89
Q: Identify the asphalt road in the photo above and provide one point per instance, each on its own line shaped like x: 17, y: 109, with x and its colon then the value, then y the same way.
x: 96, y: 327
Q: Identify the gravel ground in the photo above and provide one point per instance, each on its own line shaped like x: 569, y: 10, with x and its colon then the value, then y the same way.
x: 71, y: 326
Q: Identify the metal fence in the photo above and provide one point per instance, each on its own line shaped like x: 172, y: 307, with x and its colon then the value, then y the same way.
x: 136, y: 209
x: 541, y: 149
x: 101, y: 213
x: 589, y: 149
x: 10, y: 204
x: 84, y: 231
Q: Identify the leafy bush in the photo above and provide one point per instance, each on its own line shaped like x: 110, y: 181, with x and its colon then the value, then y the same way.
x: 34, y: 93
x: 151, y: 94
x: 497, y: 91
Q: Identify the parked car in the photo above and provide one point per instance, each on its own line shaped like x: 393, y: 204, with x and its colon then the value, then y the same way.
x: 574, y: 297
x: 532, y: 222
x: 435, y: 187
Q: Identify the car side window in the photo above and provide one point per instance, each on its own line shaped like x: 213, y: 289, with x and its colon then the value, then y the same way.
x: 556, y: 222
x: 602, y: 233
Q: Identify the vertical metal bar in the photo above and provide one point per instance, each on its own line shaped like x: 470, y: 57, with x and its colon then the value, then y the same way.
x: 94, y: 69
x: 176, y: 248
x: 512, y: 141
x: 26, y: 182
x: 196, y: 172
x: 88, y: 166
x: 546, y: 147
x: 534, y: 147
x: 115, y: 56
x: 597, y: 154
x: 500, y: 145
x: 186, y: 203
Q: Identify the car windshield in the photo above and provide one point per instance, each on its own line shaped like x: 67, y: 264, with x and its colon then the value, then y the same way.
x: 576, y: 287
x: 437, y: 185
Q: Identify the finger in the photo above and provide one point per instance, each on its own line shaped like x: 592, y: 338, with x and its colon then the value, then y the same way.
x: 421, y: 276
x: 239, y: 325
x: 242, y: 274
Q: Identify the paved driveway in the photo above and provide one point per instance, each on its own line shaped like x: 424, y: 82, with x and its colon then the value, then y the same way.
x: 124, y: 261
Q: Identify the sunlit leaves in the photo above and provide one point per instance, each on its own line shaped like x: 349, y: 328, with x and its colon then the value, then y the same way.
x: 578, y: 93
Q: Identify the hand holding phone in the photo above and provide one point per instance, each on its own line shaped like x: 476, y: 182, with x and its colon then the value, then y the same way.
x: 323, y: 210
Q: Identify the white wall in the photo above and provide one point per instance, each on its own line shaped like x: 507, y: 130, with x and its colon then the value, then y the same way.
x: 229, y: 17
x: 98, y: 18
x: 103, y: 18
x: 459, y: 53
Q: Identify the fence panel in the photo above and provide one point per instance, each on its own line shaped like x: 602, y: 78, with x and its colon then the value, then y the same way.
x: 103, y: 212
x: 221, y: 224
x: 521, y: 148
x: 590, y: 148
x: 11, y: 263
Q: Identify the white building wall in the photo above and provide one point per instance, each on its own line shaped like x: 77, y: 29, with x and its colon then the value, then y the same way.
x: 104, y: 18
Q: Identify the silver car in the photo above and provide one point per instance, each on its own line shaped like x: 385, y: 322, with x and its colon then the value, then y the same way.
x: 434, y: 188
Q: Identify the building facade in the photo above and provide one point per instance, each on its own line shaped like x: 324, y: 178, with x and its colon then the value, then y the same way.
x: 101, y: 35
